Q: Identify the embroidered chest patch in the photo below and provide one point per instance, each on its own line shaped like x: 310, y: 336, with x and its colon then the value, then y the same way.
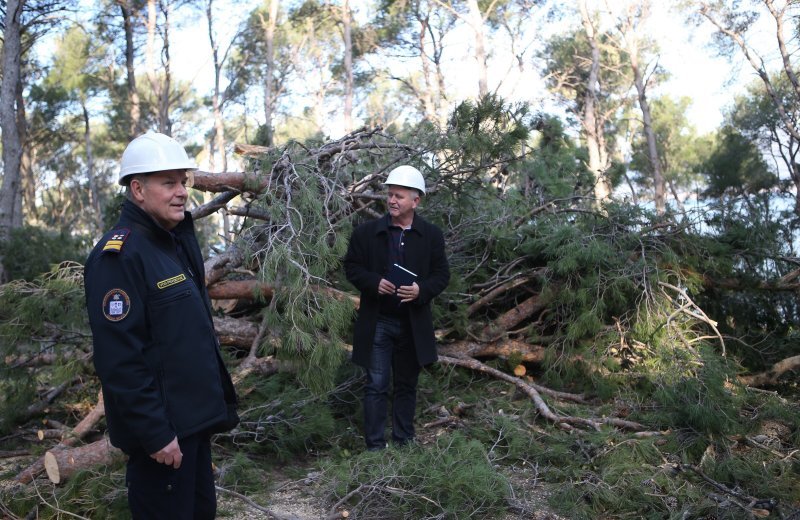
x: 116, y: 305
x: 169, y: 282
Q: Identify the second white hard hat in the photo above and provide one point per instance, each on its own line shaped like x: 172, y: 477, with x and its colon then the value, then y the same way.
x: 407, y: 176
x: 153, y: 152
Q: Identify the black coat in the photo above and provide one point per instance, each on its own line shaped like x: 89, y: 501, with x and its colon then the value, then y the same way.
x: 155, y: 348
x: 366, y: 263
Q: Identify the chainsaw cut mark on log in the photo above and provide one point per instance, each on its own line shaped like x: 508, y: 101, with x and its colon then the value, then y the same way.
x: 61, y: 463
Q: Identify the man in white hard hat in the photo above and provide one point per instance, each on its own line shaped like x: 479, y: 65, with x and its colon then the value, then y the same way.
x: 165, y: 387
x: 398, y: 262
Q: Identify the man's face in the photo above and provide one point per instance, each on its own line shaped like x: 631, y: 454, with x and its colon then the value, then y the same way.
x: 162, y: 195
x: 401, y: 201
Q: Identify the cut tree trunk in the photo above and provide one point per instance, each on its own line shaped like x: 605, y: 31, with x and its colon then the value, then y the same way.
x: 240, y: 290
x: 513, y: 317
x: 505, y: 349
x: 235, y: 332
x: 62, y: 462
x: 226, y: 181
x: 494, y: 293
x: 69, y: 439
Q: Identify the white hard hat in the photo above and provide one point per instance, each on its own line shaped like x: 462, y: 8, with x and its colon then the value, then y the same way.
x: 407, y: 176
x: 153, y: 152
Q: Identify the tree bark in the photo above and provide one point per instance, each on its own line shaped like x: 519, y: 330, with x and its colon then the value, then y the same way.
x: 62, y: 463
x: 94, y: 192
x: 134, y: 127
x: 165, y: 99
x: 240, y: 290
x: 225, y: 181
x: 635, y: 15
x: 770, y: 377
x: 269, y: 79
x: 348, y: 68
x: 591, y: 123
x: 475, y: 20
x: 12, y: 145
x: 505, y: 349
x: 237, y: 333
x: 513, y: 317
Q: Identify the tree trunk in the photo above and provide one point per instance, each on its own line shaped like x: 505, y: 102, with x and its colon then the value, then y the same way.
x: 269, y: 80
x: 150, y: 49
x: 513, y: 317
x: 94, y: 192
x: 652, y: 149
x: 770, y: 377
x: 239, y: 289
x: 507, y: 349
x: 12, y: 145
x: 427, y: 90
x: 217, y: 134
x: 238, y: 333
x: 164, y: 100
x: 592, y: 125
x: 134, y: 128
x: 348, y: 68
x: 26, y: 198
x: 476, y: 22
x: 62, y: 463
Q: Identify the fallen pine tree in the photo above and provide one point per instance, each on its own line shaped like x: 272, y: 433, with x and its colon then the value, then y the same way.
x: 590, y: 303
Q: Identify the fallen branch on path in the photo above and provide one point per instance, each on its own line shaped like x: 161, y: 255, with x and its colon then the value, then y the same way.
x: 247, y: 500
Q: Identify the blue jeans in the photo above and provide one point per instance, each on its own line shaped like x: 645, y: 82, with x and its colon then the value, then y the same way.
x: 393, y: 356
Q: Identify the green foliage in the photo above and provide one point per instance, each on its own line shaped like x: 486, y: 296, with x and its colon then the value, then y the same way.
x: 451, y: 480
x: 280, y: 418
x: 556, y: 167
x: 31, y: 251
x: 33, y: 310
x: 681, y: 152
x: 242, y: 474
x: 97, y: 495
x: 702, y: 400
x: 736, y: 166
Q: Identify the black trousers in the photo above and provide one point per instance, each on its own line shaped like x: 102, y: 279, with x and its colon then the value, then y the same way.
x: 157, y: 491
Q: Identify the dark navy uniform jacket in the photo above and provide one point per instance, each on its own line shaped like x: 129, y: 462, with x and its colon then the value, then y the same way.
x: 155, y: 348
x: 367, y: 261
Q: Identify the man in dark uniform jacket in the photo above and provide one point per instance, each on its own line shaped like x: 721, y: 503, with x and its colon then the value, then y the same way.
x: 165, y: 387
x: 394, y: 329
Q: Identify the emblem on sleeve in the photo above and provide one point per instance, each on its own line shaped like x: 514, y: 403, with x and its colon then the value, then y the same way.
x: 116, y: 305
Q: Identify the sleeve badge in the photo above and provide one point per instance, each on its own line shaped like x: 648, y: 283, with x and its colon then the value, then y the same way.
x: 115, y: 240
x: 116, y: 305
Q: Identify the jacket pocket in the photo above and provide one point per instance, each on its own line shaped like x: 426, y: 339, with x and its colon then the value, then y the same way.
x: 169, y: 298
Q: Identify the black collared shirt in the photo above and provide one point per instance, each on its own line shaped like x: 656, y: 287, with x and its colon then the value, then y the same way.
x: 391, y: 305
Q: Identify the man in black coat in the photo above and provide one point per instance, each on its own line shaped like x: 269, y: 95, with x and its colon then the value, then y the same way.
x: 394, y: 329
x: 165, y: 387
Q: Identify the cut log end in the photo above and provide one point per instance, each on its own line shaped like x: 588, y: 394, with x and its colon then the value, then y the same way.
x: 61, y: 463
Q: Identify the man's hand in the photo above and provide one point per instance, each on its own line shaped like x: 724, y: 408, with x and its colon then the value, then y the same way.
x: 386, y: 287
x: 170, y: 454
x: 408, y: 293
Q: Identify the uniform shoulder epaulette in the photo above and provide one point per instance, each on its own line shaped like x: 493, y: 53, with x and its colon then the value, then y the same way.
x: 115, y: 240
